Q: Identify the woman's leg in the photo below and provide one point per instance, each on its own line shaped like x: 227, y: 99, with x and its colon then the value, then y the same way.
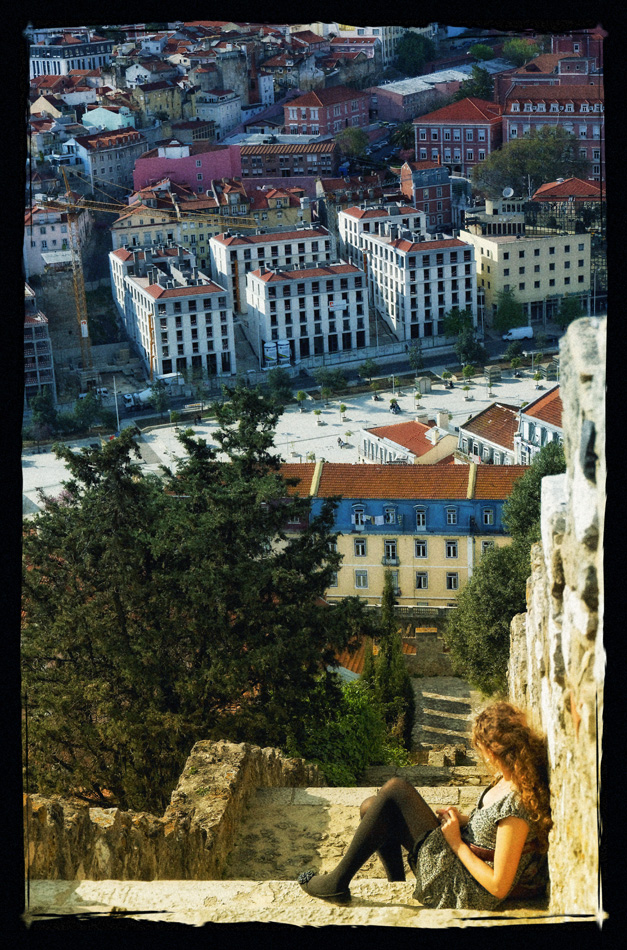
x: 397, y: 816
x: 389, y: 853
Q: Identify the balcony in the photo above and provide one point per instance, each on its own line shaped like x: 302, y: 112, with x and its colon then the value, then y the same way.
x: 390, y: 561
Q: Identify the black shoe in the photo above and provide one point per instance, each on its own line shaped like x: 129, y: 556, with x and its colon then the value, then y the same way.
x: 339, y: 897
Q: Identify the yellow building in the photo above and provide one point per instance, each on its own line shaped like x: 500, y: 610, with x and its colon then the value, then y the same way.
x: 538, y: 269
x: 428, y: 524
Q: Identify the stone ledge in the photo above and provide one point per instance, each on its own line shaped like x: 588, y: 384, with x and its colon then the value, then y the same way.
x: 374, y: 903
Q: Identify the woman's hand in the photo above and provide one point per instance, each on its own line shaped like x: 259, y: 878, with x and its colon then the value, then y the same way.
x: 451, y: 827
x: 442, y: 812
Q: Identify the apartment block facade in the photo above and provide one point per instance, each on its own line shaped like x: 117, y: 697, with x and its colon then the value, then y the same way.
x: 177, y: 317
x: 488, y: 437
x: 539, y: 270
x: 540, y: 423
x: 327, y: 111
x: 577, y: 108
x: 108, y: 158
x: 368, y: 219
x: 414, y: 279
x: 429, y: 525
x: 289, y: 160
x: 57, y: 55
x: 300, y: 312
x: 459, y: 135
x: 234, y: 255
x: 427, y: 186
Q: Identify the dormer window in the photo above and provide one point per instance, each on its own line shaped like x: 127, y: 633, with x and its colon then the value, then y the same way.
x: 515, y: 107
x: 389, y: 516
x: 527, y: 107
x: 570, y: 107
x: 421, y: 517
x: 451, y: 515
x: 541, y: 107
x: 583, y: 107
x: 554, y: 107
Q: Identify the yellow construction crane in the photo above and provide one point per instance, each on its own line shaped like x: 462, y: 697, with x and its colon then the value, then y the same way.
x: 72, y: 206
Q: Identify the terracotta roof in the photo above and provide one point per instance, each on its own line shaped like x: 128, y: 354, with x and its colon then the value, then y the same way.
x: 159, y: 292
x: 570, y: 188
x: 387, y: 481
x: 466, y: 110
x: 288, y: 148
x: 497, y: 423
x: 353, y: 660
x: 548, y: 408
x: 108, y: 139
x: 268, y: 238
x: 329, y: 96
x: 496, y: 481
x: 324, y: 270
x: 410, y: 435
x: 355, y: 212
x: 540, y: 91
x: 423, y: 165
x: 402, y: 244
x: 365, y: 40
x: 545, y: 63
x: 303, y: 472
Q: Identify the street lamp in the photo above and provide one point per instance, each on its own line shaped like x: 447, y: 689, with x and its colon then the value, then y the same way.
x: 115, y: 397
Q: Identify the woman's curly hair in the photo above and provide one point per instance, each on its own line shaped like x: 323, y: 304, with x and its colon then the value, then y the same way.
x: 503, y: 730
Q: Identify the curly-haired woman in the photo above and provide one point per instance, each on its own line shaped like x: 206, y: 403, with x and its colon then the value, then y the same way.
x: 465, y: 861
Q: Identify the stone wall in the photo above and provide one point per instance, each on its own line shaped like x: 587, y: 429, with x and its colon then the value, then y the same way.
x: 190, y: 842
x: 557, y: 664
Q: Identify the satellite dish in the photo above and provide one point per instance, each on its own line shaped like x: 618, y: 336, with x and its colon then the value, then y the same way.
x: 508, y: 192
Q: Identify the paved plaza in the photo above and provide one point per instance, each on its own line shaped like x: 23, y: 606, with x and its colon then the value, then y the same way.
x: 298, y: 433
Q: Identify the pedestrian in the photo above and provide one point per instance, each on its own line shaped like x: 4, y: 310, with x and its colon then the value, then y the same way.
x: 460, y: 861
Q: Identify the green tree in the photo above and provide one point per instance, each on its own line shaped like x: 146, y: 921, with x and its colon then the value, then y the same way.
x: 513, y: 350
x: 481, y: 51
x: 528, y: 162
x: 159, y: 396
x: 332, y: 379
x: 368, y: 369
x: 520, y: 51
x: 468, y: 349
x: 480, y: 85
x: 570, y: 309
x: 387, y: 673
x: 87, y: 410
x: 403, y: 135
x: 154, y: 618
x: 521, y: 511
x: 43, y: 408
x: 456, y: 320
x: 415, y: 356
x: 301, y: 397
x: 478, y: 631
x: 509, y: 313
x: 413, y: 51
x: 352, y: 142
x: 279, y: 383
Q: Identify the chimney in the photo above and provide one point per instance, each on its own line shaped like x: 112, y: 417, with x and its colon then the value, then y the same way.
x: 441, y: 419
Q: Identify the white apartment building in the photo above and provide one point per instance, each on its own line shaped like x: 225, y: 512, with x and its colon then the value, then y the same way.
x: 233, y: 255
x: 389, y: 36
x: 47, y: 238
x: 365, y: 218
x: 297, y: 312
x: 176, y: 315
x: 414, y: 279
x: 222, y: 106
x: 540, y: 423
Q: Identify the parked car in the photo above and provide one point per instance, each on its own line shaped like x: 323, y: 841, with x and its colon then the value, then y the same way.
x: 128, y: 400
x: 102, y: 391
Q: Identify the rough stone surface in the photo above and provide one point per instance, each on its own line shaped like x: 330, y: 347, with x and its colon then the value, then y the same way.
x: 557, y: 664
x: 192, y: 840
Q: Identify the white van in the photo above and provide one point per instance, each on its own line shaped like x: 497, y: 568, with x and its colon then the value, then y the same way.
x: 519, y: 333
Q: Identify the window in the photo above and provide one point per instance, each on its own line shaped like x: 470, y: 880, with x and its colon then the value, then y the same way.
x: 422, y: 580
x: 421, y: 518
x: 420, y: 548
x: 358, y: 517
x: 488, y: 516
x: 361, y: 547
x: 486, y: 545
x: 451, y: 515
x: 361, y: 579
x: 389, y: 550
x: 389, y: 516
x: 452, y: 581
x: 333, y: 579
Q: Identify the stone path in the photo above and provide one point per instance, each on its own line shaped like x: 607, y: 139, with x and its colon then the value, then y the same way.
x: 445, y: 708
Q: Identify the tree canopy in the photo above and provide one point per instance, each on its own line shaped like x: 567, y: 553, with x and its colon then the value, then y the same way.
x: 352, y: 142
x: 482, y: 51
x: 480, y: 85
x: 519, y: 51
x: 509, y: 312
x: 158, y: 611
x: 413, y: 52
x: 478, y: 630
x: 528, y: 162
x: 570, y: 309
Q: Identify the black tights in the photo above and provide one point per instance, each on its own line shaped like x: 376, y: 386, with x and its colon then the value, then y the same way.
x: 397, y: 817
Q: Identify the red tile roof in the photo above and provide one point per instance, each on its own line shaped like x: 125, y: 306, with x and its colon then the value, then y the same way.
x: 269, y: 238
x: 288, y: 148
x: 356, y: 212
x: 324, y: 270
x: 402, y: 244
x: 385, y: 481
x: 496, y: 481
x: 328, y: 97
x: 497, y: 423
x: 545, y: 63
x: 540, y: 91
x: 353, y: 660
x: 466, y: 110
x: 409, y: 435
x: 303, y: 472
x: 159, y: 292
x: 548, y: 408
x: 570, y: 188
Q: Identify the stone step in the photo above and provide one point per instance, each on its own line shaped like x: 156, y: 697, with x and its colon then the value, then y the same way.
x: 287, y: 830
x: 427, y: 775
x: 375, y: 902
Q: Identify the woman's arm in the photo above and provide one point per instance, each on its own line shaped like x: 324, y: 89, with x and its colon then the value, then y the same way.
x: 511, y: 834
x: 463, y: 819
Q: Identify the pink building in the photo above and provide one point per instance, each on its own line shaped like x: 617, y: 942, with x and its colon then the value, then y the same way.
x: 194, y: 165
x: 327, y: 111
x: 459, y: 135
